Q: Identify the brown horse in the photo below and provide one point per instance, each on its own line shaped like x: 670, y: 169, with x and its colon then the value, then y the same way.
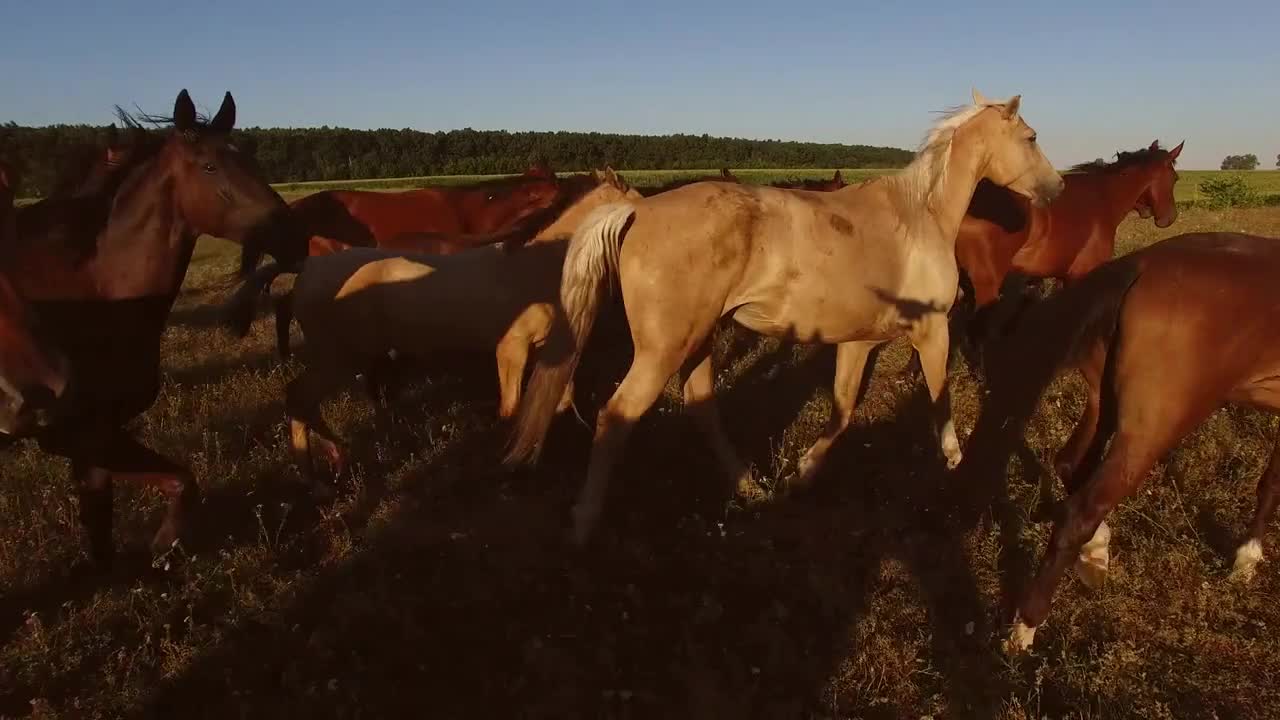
x: 103, y: 295
x: 724, y: 176
x: 1002, y: 233
x: 90, y: 167
x: 361, y: 218
x: 857, y: 268
x: 834, y: 183
x: 1163, y: 337
x: 33, y: 376
x: 357, y: 307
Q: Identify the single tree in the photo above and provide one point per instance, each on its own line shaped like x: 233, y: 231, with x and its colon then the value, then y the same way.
x: 1240, y: 162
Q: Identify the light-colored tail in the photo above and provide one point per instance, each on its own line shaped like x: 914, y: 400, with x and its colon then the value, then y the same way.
x: 590, y: 262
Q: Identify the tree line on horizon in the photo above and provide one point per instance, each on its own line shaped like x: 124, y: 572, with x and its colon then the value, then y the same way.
x: 325, y: 153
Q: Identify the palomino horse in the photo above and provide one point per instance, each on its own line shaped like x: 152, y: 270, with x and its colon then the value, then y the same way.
x: 361, y: 218
x: 834, y: 183
x: 856, y: 267
x: 32, y: 376
x: 1164, y: 337
x: 103, y: 296
x: 358, y: 306
x: 724, y: 176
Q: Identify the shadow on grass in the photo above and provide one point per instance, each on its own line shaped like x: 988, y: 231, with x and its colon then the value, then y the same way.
x: 465, y: 601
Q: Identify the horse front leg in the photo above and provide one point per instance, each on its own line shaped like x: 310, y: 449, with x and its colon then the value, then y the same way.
x: 933, y: 344
x: 96, y: 496
x: 851, y: 364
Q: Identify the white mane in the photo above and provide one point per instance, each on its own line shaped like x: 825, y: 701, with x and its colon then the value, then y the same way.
x: 919, y: 179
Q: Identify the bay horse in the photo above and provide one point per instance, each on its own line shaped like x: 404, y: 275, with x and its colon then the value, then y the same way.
x: 834, y: 183
x: 357, y: 307
x: 856, y: 267
x: 1163, y: 336
x: 365, y: 218
x: 33, y: 376
x: 103, y: 291
x: 1003, y: 234
x: 724, y: 176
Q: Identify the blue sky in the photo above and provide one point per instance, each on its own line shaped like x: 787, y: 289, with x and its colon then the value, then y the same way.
x: 1095, y: 76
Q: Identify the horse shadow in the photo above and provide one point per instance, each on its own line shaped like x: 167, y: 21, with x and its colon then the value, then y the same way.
x: 467, y: 602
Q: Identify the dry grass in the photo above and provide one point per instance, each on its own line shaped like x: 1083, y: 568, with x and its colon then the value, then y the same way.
x: 438, y: 586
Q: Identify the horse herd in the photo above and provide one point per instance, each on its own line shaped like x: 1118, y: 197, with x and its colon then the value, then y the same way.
x: 522, y: 266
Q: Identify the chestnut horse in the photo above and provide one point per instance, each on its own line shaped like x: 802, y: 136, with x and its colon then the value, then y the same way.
x: 856, y: 267
x: 835, y: 183
x: 103, y: 278
x: 359, y: 306
x: 724, y: 176
x: 363, y: 218
x: 1163, y: 337
x: 33, y: 376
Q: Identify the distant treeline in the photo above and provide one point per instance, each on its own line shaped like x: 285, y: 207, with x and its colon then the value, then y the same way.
x: 298, y: 155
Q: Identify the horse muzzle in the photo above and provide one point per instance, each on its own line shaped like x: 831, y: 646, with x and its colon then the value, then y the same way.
x: 1047, y: 192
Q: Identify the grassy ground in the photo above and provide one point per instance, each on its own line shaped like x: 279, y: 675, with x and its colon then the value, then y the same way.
x: 438, y: 586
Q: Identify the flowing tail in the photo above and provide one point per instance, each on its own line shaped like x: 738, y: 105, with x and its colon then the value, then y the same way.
x: 590, y: 265
x: 239, y: 310
x: 1049, y: 336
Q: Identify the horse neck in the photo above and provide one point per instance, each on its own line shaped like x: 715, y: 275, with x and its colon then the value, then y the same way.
x: 949, y: 202
x: 147, y: 233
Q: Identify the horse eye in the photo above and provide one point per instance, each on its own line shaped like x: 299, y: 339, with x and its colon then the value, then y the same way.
x: 209, y: 168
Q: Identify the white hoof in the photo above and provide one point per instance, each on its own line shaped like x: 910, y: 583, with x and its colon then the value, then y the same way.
x: 1095, y: 558
x: 806, y: 469
x: 1020, y: 638
x: 951, y: 446
x: 1248, y: 556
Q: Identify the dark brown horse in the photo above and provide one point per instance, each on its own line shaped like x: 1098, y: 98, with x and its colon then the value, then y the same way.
x: 102, y: 273
x: 361, y: 218
x: 1164, y: 337
x: 32, y: 375
x: 724, y: 176
x: 831, y: 185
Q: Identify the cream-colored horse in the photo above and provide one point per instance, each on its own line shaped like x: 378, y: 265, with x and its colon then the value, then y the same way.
x: 856, y: 267
x: 357, y: 306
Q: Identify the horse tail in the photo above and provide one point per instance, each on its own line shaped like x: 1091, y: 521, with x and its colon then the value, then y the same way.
x: 590, y: 261
x: 239, y: 310
x: 1050, y: 335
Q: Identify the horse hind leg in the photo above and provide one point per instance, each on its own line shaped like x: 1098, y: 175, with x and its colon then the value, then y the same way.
x: 639, y: 390
x: 698, y: 375
x: 1249, y: 554
x: 851, y: 363
x: 303, y: 396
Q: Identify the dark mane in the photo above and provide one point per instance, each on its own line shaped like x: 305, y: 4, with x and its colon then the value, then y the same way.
x: 72, y: 223
x: 1124, y: 159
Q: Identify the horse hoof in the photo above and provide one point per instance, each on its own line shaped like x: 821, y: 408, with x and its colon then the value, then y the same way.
x: 1095, y: 559
x: 1020, y: 638
x: 1247, y: 558
x: 954, y: 456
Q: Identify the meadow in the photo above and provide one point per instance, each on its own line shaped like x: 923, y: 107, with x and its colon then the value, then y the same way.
x: 439, y: 586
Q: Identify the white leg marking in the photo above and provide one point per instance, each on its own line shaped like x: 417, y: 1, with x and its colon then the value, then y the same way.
x: 1248, y: 556
x: 951, y: 445
x: 1020, y: 637
x: 1095, y: 558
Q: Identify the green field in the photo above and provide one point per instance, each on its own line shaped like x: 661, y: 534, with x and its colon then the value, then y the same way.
x: 1265, y: 182
x: 438, y: 586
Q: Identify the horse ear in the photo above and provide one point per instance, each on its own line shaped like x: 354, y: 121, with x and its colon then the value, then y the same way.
x: 1155, y: 145
x: 1173, y: 154
x: 838, y: 177
x: 184, y: 112
x: 1011, y: 107
x: 225, y: 120
x: 979, y: 99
